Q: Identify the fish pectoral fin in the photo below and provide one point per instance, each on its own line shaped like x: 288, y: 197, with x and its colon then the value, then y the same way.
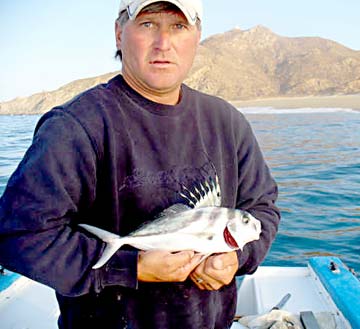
x: 104, y: 235
x: 110, y: 249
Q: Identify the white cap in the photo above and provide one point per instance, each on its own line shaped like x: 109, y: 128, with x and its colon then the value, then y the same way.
x: 192, y: 9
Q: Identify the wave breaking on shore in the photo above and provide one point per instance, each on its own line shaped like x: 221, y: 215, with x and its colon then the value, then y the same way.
x: 271, y: 110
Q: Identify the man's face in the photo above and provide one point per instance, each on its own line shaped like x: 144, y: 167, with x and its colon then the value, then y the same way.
x: 158, y: 50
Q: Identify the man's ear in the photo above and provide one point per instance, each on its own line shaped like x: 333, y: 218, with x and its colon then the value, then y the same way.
x: 199, y: 30
x: 118, y: 33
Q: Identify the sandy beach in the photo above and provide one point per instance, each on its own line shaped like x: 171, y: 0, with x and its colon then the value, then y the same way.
x: 336, y: 101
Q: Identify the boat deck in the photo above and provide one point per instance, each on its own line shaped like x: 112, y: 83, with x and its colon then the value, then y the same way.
x: 28, y: 304
x: 260, y: 292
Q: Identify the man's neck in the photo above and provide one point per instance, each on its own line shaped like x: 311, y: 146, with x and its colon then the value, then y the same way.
x: 169, y: 97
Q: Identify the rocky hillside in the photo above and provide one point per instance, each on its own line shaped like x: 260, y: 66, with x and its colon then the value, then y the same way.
x: 44, y: 101
x: 257, y: 63
x: 242, y: 65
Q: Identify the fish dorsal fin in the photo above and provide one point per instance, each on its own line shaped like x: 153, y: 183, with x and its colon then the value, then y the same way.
x: 173, y: 210
x: 208, y: 194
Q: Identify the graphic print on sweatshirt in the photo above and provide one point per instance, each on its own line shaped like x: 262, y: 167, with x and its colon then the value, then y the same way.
x: 145, y: 194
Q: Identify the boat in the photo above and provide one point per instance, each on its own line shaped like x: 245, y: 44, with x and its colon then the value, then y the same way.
x: 324, y: 294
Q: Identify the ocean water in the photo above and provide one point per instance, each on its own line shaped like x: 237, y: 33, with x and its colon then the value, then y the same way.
x: 314, y: 156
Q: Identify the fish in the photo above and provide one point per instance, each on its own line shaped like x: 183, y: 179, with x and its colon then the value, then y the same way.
x: 201, y: 225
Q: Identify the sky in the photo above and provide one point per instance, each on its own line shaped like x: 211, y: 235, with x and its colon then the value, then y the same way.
x: 45, y: 44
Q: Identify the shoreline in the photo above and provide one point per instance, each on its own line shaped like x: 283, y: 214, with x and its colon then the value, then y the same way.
x: 336, y: 101
x: 351, y: 102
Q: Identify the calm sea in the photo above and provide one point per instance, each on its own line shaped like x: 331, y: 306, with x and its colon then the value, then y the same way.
x: 315, y: 157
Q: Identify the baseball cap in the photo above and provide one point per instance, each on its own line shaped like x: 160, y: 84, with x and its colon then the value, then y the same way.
x: 192, y: 9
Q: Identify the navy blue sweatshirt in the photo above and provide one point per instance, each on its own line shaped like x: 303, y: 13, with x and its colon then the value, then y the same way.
x: 113, y: 159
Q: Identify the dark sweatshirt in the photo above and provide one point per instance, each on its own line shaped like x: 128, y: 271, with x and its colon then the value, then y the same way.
x: 113, y: 159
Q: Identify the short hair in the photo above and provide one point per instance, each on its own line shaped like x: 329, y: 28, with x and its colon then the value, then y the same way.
x: 156, y: 7
x: 121, y: 20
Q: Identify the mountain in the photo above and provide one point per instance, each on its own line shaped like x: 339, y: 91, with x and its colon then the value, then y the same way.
x: 44, y: 101
x: 242, y: 65
x: 257, y: 63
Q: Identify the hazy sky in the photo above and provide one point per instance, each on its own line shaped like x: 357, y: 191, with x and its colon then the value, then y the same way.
x: 45, y: 44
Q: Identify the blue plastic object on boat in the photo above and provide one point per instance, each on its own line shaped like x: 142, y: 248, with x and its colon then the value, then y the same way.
x: 341, y: 284
x: 7, y: 279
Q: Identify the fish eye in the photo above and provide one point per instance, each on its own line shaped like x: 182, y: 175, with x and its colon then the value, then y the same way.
x: 246, y: 219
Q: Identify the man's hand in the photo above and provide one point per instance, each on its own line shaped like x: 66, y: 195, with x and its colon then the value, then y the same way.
x: 164, y: 266
x: 216, y: 271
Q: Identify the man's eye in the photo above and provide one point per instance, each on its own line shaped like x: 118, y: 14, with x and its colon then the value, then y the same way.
x: 146, y: 24
x: 180, y: 26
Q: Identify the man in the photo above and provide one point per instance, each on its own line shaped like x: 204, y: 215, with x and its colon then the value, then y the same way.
x: 115, y: 157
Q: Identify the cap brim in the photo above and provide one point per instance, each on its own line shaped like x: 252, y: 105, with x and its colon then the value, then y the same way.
x: 135, y: 8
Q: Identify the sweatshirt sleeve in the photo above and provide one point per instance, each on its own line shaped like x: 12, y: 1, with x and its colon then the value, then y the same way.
x: 257, y: 193
x: 51, y: 192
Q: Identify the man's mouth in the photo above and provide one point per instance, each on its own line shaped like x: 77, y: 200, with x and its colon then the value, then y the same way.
x: 161, y: 63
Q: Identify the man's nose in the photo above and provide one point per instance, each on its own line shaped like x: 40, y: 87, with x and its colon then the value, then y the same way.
x: 163, y: 40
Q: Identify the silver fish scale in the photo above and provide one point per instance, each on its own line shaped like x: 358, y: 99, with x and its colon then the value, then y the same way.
x: 182, y: 222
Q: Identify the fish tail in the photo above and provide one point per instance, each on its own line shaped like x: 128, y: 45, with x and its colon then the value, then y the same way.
x: 104, y: 235
x: 109, y: 251
x: 113, y: 243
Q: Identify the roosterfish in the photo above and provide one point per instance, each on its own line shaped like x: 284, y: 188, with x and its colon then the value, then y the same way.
x: 202, y: 226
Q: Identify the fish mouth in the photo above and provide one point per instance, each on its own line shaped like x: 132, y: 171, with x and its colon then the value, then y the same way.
x: 229, y: 239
